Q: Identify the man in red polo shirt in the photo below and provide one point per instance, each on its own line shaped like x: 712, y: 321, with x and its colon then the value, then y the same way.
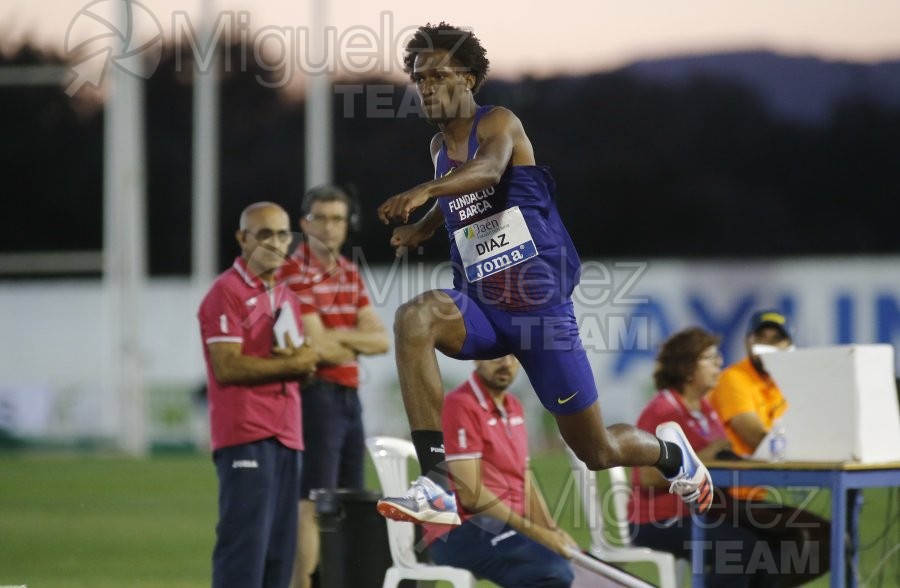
x: 507, y: 534
x: 342, y: 324
x: 254, y: 356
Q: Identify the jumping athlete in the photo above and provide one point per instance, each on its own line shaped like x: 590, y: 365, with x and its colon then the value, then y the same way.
x: 515, y: 268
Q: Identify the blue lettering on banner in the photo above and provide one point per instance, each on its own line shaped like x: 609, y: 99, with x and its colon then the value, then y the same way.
x: 731, y: 325
x: 845, y: 310
x: 656, y: 315
x: 887, y: 313
x: 733, y: 328
x: 788, y: 307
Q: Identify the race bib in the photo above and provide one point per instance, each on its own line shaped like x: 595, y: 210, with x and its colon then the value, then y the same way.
x: 494, y: 244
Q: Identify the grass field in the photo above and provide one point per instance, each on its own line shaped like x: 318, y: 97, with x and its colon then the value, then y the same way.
x: 97, y: 522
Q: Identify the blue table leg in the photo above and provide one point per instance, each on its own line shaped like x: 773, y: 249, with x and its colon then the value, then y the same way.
x: 698, y: 537
x: 854, y: 504
x: 838, y: 530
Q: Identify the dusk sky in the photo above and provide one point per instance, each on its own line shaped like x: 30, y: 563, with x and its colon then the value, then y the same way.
x: 562, y: 36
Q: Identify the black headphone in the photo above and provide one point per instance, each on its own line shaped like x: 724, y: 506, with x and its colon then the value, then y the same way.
x: 345, y: 193
x: 355, y: 209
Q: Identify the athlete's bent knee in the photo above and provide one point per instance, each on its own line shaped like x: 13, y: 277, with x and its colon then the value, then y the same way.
x: 412, y: 322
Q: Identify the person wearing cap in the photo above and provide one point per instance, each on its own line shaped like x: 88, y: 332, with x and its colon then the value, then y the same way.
x: 746, y: 398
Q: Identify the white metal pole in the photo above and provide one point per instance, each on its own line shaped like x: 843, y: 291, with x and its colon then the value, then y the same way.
x: 318, y: 138
x: 205, y: 216
x: 125, y: 245
x: 112, y: 350
x: 136, y: 409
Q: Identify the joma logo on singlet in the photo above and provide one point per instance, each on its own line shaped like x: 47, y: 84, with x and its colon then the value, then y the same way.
x: 502, y: 261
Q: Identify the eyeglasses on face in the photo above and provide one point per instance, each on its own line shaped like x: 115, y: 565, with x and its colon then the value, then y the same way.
x: 281, y: 236
x: 324, y: 219
x: 715, y: 356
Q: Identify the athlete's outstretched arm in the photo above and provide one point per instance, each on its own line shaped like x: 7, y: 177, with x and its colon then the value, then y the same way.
x: 500, y: 136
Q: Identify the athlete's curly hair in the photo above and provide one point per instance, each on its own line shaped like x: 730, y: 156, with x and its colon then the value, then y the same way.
x: 462, y: 45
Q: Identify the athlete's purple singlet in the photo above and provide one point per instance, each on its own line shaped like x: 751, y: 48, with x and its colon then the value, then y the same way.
x: 507, y: 242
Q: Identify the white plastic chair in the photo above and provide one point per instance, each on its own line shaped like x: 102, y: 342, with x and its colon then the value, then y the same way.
x: 670, y: 570
x: 391, y: 456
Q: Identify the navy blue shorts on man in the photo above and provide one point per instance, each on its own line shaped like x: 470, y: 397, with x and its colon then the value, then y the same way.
x: 496, y: 552
x: 545, y: 341
x: 334, y: 437
x: 256, y: 536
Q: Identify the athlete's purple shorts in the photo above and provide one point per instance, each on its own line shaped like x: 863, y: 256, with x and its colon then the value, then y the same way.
x: 546, y: 343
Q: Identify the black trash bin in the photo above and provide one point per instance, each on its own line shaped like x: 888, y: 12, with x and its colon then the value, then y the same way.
x: 354, y: 542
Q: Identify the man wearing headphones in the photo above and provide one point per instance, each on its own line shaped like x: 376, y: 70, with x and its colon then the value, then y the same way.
x: 341, y: 325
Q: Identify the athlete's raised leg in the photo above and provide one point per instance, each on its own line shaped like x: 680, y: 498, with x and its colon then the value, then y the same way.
x: 601, y: 447
x: 554, y: 358
x: 561, y: 375
x: 428, y: 322
x: 449, y: 322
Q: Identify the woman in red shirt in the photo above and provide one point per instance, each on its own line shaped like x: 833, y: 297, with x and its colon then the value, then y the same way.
x: 688, y: 367
x: 758, y: 543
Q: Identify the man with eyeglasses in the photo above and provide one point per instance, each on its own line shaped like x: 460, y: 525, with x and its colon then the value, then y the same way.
x: 255, y: 354
x: 342, y: 324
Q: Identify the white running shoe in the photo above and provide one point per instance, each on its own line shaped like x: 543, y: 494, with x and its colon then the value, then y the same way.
x: 426, y: 502
x: 693, y: 483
